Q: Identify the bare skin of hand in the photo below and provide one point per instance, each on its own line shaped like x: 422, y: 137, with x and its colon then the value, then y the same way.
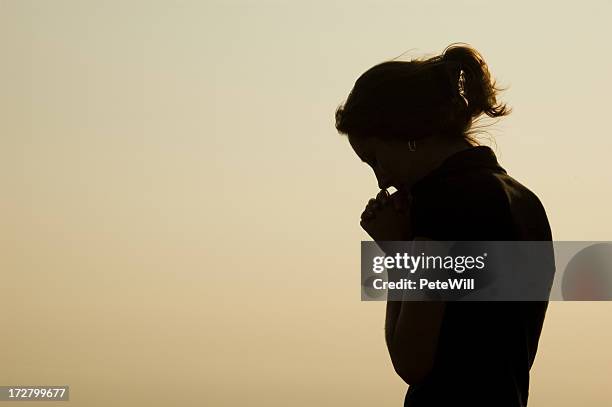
x: 387, y: 217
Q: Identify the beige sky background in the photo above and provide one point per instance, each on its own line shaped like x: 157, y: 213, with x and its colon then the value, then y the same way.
x: 179, y: 222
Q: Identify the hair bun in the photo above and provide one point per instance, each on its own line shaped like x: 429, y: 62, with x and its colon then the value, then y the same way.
x: 473, y: 80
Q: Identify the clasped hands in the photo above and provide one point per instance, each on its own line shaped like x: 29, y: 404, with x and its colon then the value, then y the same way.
x: 387, y: 217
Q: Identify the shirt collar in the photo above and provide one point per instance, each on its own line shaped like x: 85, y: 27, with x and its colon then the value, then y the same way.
x: 473, y: 157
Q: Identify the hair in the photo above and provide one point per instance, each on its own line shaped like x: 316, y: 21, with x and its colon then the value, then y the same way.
x: 413, y: 99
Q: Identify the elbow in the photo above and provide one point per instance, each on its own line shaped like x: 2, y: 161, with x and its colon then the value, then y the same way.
x: 411, y: 373
x: 411, y: 368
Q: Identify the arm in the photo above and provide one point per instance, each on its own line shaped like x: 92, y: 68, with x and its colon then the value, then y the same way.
x: 411, y: 333
x: 411, y: 327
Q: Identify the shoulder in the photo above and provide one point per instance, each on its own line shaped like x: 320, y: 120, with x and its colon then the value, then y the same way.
x: 471, y: 205
x: 482, y: 189
x: 527, y: 211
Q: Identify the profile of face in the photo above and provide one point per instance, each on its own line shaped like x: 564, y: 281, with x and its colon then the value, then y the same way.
x: 392, y: 161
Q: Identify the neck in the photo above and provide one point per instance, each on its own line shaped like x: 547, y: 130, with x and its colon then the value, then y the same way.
x: 432, y: 151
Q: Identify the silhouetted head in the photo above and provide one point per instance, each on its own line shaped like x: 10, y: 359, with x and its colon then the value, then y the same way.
x: 404, y: 117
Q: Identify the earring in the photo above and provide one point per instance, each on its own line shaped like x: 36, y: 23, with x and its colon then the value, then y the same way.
x: 412, y: 145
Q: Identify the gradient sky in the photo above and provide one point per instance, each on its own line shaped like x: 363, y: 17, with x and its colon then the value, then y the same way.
x: 180, y: 219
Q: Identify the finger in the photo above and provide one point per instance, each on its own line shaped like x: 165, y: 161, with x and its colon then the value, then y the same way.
x: 402, y: 201
x: 362, y: 224
x: 398, y: 202
x: 367, y: 214
x: 373, y: 204
x: 383, y: 197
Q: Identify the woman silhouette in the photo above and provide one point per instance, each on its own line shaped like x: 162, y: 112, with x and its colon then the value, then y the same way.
x: 412, y: 122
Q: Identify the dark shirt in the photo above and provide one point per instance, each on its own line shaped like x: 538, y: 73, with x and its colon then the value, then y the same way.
x: 485, y: 349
